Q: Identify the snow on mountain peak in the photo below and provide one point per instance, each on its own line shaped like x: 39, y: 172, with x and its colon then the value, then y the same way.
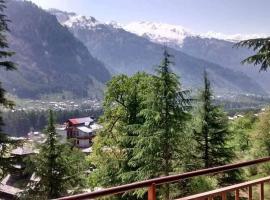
x: 71, y: 19
x: 174, y: 35
x: 233, y: 37
x: 159, y: 32
x: 114, y: 24
x: 61, y: 16
x: 82, y: 21
x: 171, y: 35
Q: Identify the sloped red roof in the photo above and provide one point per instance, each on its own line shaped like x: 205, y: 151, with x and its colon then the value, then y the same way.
x: 83, y: 120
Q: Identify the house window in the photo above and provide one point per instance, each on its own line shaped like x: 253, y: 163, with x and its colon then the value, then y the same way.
x: 78, y: 142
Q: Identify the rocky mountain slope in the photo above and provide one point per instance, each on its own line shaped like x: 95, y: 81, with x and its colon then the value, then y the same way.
x: 125, y: 52
x: 224, y: 53
x: 50, y: 59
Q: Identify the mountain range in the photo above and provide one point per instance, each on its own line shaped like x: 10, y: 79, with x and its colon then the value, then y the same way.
x: 214, y: 47
x: 64, y: 53
x: 125, y: 51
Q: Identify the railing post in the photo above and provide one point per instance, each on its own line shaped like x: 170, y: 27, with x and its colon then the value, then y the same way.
x: 152, y: 192
x: 223, y: 195
x: 250, y: 192
x: 262, y: 191
x: 236, y: 194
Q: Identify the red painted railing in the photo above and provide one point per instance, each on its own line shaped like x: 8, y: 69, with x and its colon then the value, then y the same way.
x: 234, y: 188
x: 152, y: 183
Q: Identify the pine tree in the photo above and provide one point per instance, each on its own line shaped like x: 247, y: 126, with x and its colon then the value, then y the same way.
x: 262, y: 48
x: 213, y: 137
x: 213, y: 133
x: 5, y: 142
x: 161, y: 141
x: 59, y: 168
x: 113, y: 147
x: 143, y: 130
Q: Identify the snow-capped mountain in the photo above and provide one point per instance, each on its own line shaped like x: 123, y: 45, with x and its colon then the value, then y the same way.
x: 231, y: 38
x: 124, y: 52
x: 175, y: 35
x: 72, y: 20
x: 102, y: 40
x: 159, y: 32
x: 162, y: 33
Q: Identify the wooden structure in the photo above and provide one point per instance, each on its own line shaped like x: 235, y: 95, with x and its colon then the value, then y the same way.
x: 9, y: 187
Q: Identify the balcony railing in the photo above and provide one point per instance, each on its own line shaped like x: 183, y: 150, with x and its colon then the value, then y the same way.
x: 152, y: 183
x: 234, y: 188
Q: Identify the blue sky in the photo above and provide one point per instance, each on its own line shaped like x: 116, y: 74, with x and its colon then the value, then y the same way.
x: 225, y: 16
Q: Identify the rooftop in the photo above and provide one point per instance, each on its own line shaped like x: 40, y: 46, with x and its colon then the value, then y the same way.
x: 84, y: 129
x: 83, y: 120
x: 22, y: 151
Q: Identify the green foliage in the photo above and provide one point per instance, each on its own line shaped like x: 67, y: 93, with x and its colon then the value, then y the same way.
x: 5, y: 142
x: 260, y: 142
x: 144, y: 129
x: 212, y: 134
x: 261, y: 135
x: 159, y: 148
x: 213, y: 137
x: 113, y: 146
x: 202, y: 184
x: 262, y: 48
x: 59, y: 168
x: 241, y: 129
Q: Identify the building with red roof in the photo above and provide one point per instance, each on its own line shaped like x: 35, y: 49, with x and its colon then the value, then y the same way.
x: 82, y: 130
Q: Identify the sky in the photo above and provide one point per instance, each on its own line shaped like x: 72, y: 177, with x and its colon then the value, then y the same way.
x: 224, y: 16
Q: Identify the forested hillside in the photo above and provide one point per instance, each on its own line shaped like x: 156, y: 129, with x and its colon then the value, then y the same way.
x: 50, y: 59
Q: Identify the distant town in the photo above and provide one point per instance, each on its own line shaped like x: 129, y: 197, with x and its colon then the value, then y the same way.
x: 77, y: 132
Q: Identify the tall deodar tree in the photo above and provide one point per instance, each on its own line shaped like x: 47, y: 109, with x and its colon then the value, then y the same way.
x: 143, y: 134
x: 161, y: 142
x: 58, y: 167
x: 113, y: 147
x: 4, y: 102
x: 213, y: 133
